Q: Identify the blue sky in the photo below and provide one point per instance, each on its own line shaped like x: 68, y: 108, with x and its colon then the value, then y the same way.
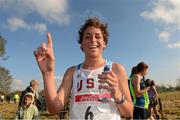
x: 140, y: 30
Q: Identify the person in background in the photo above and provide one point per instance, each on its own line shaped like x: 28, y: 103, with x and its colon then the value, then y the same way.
x: 139, y: 92
x: 16, y: 98
x: 2, y: 98
x: 27, y: 110
x: 83, y: 81
x: 8, y: 98
x: 133, y: 71
x: 33, y: 88
x: 153, y: 98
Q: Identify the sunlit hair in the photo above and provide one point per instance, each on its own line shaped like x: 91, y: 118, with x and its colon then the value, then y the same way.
x: 34, y: 82
x: 141, y: 66
x: 152, y: 82
x: 95, y: 22
x: 133, y: 71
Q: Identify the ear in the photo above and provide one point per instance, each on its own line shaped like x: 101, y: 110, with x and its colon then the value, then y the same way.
x: 104, y: 45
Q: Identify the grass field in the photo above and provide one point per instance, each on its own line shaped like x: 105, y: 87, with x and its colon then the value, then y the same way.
x: 8, y: 110
x: 170, y: 104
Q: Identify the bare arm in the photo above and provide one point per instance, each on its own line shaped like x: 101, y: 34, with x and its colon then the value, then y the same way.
x: 155, y: 91
x: 136, y: 82
x: 56, y: 100
x: 126, y: 109
x: 46, y: 61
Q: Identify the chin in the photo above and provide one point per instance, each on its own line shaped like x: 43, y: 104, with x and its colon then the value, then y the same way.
x: 91, y: 55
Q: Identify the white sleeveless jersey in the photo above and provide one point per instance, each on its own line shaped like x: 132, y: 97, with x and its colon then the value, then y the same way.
x: 85, y: 103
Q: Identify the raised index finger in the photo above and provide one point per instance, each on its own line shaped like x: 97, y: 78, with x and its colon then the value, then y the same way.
x: 50, y: 43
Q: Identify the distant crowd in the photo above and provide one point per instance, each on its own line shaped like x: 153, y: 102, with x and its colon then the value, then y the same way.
x: 10, y: 98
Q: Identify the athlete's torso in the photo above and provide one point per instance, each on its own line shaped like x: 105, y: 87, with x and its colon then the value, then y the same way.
x: 143, y: 100
x: 85, y: 102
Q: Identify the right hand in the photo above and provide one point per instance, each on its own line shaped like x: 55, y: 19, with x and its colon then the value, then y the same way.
x: 45, y: 56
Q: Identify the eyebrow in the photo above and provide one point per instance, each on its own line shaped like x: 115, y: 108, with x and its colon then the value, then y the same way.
x: 90, y: 33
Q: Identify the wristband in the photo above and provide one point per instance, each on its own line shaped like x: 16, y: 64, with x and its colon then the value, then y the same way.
x: 121, y: 101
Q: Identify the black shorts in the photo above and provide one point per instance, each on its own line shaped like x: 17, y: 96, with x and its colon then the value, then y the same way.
x: 140, y: 113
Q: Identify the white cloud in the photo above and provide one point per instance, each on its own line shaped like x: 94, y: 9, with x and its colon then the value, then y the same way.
x: 40, y: 27
x: 166, y: 12
x: 17, y: 23
x: 164, y: 36
x: 52, y: 11
x: 18, y: 82
x: 17, y: 85
x: 174, y: 45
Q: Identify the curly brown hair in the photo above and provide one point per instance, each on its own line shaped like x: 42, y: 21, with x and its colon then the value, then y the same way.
x: 94, y: 21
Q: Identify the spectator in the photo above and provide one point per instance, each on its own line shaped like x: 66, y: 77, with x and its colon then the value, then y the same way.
x: 27, y: 110
x: 153, y: 98
x: 2, y: 98
x: 8, y: 98
x: 16, y: 98
x: 33, y: 88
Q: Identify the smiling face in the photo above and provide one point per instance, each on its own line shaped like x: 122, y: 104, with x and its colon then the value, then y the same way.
x: 93, y: 42
x: 35, y: 87
x: 28, y: 100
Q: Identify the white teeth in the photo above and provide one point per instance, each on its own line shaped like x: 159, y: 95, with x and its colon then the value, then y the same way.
x: 93, y: 46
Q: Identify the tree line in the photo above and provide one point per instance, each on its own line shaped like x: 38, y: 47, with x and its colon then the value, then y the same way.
x: 169, y: 88
x: 5, y: 76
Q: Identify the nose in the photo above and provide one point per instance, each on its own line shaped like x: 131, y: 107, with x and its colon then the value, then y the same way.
x: 92, y: 38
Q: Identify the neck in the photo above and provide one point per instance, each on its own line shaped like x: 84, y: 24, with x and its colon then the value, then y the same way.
x: 26, y: 106
x: 141, y: 74
x: 93, y: 63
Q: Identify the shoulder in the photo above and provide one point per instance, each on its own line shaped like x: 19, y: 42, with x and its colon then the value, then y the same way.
x: 119, y: 71
x: 69, y: 73
x: 70, y: 70
x: 136, y: 79
x: 116, y: 67
x: 34, y: 107
x: 153, y: 88
x: 136, y: 76
x: 35, y: 110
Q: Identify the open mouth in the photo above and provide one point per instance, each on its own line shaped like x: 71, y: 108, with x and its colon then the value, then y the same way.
x: 93, y: 46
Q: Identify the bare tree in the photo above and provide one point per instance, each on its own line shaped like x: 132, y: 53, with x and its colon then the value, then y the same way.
x: 5, y: 77
x: 5, y: 80
x: 2, y: 46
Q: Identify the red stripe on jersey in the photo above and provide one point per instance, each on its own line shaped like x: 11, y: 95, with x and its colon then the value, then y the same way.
x: 91, y: 97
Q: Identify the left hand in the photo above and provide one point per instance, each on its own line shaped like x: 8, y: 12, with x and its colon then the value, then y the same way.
x: 112, y: 84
